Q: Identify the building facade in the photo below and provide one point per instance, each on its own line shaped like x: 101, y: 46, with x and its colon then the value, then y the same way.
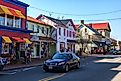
x: 87, y: 38
x: 13, y: 34
x: 65, y: 30
x: 43, y: 38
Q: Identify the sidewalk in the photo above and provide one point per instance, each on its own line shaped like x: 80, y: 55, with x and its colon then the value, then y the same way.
x: 35, y: 62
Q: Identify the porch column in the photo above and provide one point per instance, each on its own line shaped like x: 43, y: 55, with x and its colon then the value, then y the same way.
x: 5, y: 19
x: 40, y: 49
x: 14, y: 21
x: 58, y: 46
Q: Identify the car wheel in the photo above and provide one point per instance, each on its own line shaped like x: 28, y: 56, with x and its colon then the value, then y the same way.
x: 78, y: 65
x: 1, y: 67
x: 66, y: 69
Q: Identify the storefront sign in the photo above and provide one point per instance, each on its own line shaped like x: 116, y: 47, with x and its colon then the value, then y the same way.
x: 34, y: 38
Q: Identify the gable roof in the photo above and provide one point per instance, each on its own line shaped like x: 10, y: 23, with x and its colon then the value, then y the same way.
x: 57, y: 21
x: 92, y: 29
x: 104, y: 25
x: 36, y: 21
x: 65, y: 22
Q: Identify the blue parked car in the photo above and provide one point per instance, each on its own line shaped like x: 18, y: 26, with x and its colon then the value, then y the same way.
x: 62, y: 61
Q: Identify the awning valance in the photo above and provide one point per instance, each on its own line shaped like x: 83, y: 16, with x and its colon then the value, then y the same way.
x: 6, y: 39
x: 27, y: 41
x: 17, y: 39
x: 10, y: 11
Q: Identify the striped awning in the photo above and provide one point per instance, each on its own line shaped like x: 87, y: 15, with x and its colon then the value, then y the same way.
x: 27, y: 41
x: 6, y: 39
x: 10, y: 11
x: 17, y: 39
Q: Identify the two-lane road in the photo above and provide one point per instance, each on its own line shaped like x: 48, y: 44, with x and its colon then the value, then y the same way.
x: 91, y: 70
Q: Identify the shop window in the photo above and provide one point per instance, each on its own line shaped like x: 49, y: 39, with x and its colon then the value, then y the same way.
x: 17, y: 22
x: 5, y: 48
x: 22, y: 47
x: 62, y: 47
x: 10, y: 21
x: 2, y: 19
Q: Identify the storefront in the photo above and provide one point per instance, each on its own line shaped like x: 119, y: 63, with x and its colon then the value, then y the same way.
x: 35, y: 46
x: 48, y: 46
x: 13, y: 46
x: 71, y: 45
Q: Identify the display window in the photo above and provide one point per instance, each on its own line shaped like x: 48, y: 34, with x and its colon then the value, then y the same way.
x: 5, y: 48
x: 22, y: 47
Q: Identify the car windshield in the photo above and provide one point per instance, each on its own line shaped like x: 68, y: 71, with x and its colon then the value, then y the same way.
x: 61, y: 56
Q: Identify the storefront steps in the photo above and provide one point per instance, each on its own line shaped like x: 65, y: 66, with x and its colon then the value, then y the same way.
x: 34, y: 62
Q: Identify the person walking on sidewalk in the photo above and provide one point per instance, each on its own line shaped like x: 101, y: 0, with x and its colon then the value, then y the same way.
x: 28, y: 56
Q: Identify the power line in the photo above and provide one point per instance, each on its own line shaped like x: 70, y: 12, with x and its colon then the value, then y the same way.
x: 115, y: 11
x: 102, y: 19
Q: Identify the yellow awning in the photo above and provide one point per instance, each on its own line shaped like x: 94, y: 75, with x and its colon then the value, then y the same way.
x: 27, y: 41
x: 10, y: 11
x: 6, y: 39
x: 20, y: 14
x: 4, y: 10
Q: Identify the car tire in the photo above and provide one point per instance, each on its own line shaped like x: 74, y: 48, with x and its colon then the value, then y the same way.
x: 66, y: 69
x: 1, y: 67
x: 78, y: 65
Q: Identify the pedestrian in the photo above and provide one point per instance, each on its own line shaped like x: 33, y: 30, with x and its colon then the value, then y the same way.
x: 28, y: 56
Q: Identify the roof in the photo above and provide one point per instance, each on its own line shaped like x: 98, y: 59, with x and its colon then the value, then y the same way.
x: 57, y: 21
x: 104, y: 25
x: 96, y: 32
x: 36, y: 21
x: 65, y: 21
x: 18, y: 2
x: 77, y: 26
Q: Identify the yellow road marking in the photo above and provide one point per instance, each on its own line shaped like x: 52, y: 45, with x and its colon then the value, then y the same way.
x: 53, y: 77
x: 117, y: 77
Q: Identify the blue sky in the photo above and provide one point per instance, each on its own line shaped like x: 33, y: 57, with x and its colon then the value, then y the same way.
x: 80, y: 7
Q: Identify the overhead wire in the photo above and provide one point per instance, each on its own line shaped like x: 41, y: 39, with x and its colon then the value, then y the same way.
x: 115, y: 11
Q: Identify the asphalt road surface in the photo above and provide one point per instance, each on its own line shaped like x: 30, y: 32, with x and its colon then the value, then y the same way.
x: 91, y: 70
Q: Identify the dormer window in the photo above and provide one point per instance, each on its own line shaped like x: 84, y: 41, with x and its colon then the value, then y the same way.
x: 85, y: 30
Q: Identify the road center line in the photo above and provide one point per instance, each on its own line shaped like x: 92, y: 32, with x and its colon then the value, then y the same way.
x: 117, y: 77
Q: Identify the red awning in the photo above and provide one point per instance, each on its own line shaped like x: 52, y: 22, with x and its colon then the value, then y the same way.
x: 17, y: 39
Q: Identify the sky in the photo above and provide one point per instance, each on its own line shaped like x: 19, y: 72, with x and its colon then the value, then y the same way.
x: 80, y: 7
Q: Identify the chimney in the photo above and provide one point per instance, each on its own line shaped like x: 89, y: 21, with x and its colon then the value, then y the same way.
x: 82, y: 21
x: 90, y: 24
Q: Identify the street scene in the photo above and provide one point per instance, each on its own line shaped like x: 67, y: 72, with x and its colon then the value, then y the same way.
x: 92, y: 69
x: 55, y: 41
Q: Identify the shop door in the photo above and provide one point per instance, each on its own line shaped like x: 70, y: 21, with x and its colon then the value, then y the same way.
x: 37, y: 50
